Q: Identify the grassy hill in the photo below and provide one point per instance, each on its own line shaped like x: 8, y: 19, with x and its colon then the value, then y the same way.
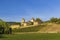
x: 29, y: 29
x: 43, y: 28
x: 50, y: 28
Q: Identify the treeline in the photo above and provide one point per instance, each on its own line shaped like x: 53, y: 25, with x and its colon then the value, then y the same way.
x: 54, y: 20
x: 10, y: 23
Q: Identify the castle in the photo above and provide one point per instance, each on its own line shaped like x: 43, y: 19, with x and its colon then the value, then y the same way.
x: 31, y: 22
x: 25, y: 24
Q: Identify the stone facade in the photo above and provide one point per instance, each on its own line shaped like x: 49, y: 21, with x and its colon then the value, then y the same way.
x: 36, y: 23
x: 15, y: 26
x: 26, y: 24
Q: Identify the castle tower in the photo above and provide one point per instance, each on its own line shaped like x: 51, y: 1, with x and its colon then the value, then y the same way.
x: 32, y: 20
x: 22, y: 22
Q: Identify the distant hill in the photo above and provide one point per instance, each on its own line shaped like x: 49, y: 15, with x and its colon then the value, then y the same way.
x: 11, y: 23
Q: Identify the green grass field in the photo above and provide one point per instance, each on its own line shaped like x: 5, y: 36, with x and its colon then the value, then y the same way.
x: 32, y: 36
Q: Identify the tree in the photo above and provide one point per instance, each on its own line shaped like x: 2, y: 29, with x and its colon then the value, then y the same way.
x: 4, y: 25
x: 38, y: 20
x: 58, y: 21
x: 54, y: 20
x: 1, y: 29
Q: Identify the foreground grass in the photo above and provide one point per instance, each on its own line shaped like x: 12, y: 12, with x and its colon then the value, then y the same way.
x: 33, y: 36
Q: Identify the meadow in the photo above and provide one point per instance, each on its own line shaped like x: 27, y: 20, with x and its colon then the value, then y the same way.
x: 31, y: 36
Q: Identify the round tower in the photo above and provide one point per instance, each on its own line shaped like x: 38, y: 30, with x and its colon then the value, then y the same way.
x: 22, y: 22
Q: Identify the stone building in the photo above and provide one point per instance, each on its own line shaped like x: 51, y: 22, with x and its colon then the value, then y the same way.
x: 33, y: 21
x: 23, y: 23
x: 15, y: 26
x: 26, y: 24
x: 36, y: 23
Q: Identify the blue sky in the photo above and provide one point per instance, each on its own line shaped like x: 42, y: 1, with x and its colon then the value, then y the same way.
x: 14, y: 10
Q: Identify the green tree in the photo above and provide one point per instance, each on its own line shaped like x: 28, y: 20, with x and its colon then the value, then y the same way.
x: 38, y: 20
x: 4, y: 25
x: 58, y: 21
x: 54, y: 20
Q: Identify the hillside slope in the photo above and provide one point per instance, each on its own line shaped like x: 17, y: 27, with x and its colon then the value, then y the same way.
x: 43, y: 28
x: 50, y: 28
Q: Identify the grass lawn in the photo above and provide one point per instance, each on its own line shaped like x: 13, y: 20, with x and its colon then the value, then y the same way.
x: 32, y: 36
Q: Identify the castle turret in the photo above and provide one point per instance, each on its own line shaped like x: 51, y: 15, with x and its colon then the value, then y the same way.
x: 22, y: 22
x: 32, y: 20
